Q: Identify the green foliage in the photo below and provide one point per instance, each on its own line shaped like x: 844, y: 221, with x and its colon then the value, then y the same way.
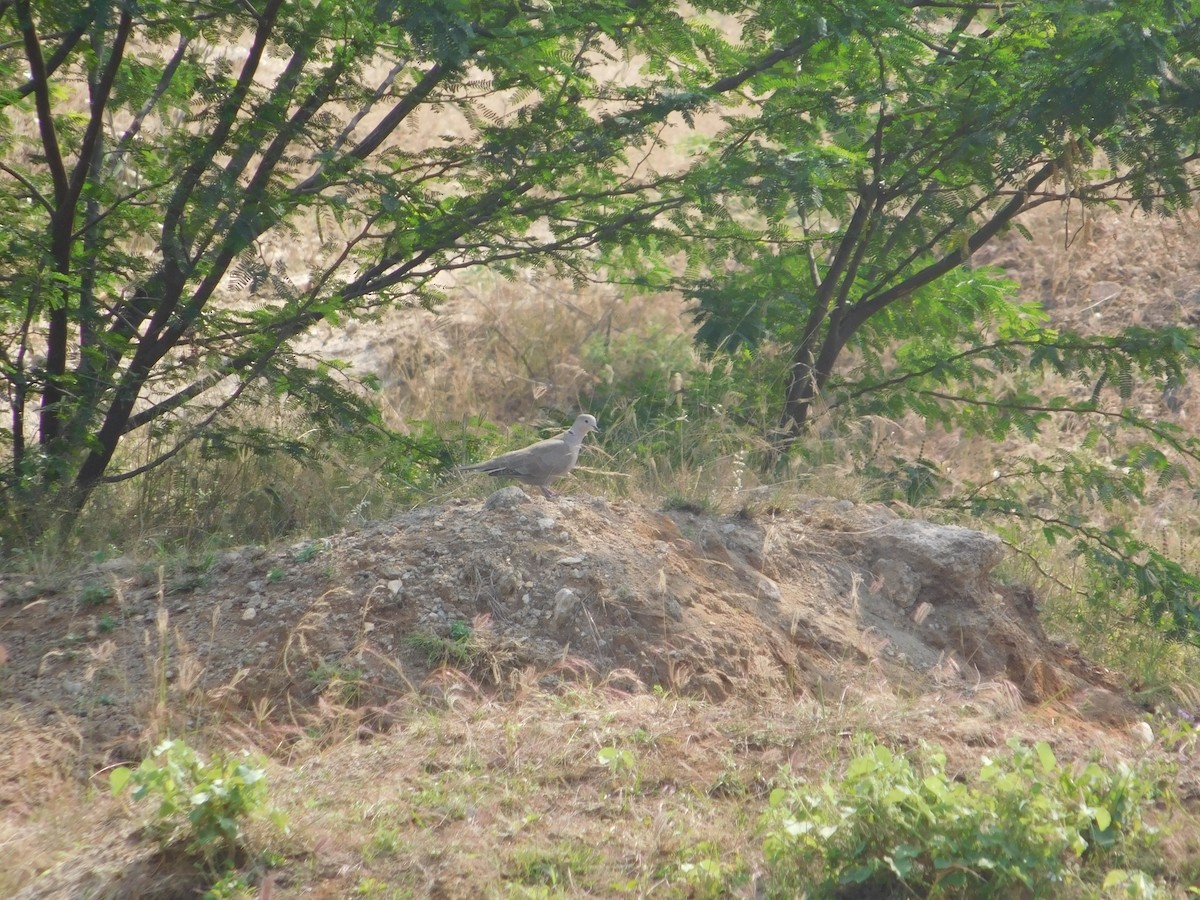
x: 146, y: 296
x: 622, y: 766
x: 95, y: 593
x: 204, y: 803
x: 457, y: 650
x: 559, y: 866
x: 675, y: 413
x: 1027, y: 824
x: 836, y: 218
x: 340, y: 682
x: 1078, y: 495
x: 706, y: 875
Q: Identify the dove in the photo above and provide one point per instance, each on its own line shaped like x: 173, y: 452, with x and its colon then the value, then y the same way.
x: 543, y: 462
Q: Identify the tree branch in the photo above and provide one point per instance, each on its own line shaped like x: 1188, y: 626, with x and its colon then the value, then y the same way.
x: 41, y: 93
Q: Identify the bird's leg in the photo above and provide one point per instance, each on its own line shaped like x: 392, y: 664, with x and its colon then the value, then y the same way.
x: 548, y: 494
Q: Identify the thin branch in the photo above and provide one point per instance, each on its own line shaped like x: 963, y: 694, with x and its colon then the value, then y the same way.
x: 98, y: 101
x: 930, y: 273
x: 40, y: 78
x: 37, y: 195
x: 1082, y: 409
x: 164, y: 82
x: 69, y: 40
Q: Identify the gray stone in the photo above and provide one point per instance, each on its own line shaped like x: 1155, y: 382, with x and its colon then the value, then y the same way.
x: 506, y: 498
x: 566, y: 601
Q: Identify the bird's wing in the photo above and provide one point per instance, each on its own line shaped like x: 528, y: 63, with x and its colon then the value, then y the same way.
x: 544, y: 460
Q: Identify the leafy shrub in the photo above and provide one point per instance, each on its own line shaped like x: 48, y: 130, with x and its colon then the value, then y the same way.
x: 204, y: 803
x: 892, y: 827
x: 95, y: 594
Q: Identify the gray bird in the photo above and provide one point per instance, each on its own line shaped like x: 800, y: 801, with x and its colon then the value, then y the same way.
x: 543, y: 462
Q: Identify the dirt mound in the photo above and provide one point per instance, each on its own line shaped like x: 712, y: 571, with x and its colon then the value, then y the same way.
x: 797, y: 600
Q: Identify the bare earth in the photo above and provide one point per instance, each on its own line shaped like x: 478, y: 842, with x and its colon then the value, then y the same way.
x: 577, y: 588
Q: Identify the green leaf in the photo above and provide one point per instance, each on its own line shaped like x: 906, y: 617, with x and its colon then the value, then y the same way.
x: 118, y: 780
x: 1114, y: 877
x: 1046, y: 757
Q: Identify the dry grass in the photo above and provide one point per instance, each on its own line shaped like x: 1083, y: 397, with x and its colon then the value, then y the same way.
x: 507, y: 351
x: 581, y: 790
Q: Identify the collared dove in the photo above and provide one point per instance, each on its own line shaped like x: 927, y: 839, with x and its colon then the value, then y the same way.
x: 540, y: 463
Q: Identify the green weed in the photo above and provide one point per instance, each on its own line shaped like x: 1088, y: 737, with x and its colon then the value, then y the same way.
x: 337, y: 681
x: 706, y: 875
x: 95, y: 594
x: 558, y: 866
x: 205, y: 803
x: 457, y: 650
x: 621, y: 764
x: 890, y: 826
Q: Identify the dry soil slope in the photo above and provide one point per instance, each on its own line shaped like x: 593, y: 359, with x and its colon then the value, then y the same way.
x: 803, y: 600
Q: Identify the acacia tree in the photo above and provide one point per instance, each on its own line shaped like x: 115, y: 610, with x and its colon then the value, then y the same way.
x: 842, y: 205
x: 150, y: 151
x: 910, y: 135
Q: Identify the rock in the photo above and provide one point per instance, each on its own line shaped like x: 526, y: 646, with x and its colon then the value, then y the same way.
x: 120, y: 565
x: 249, y: 613
x: 506, y: 498
x: 895, y: 581
x: 566, y: 601
x: 938, y: 552
x: 767, y: 588
x: 1106, y: 708
x: 1142, y: 733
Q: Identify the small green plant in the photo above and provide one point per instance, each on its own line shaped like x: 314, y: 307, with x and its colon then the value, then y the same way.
x: 374, y: 888
x: 457, y: 650
x: 106, y: 624
x: 554, y: 867
x: 339, y: 682
x: 231, y: 886
x: 95, y: 593
x: 706, y: 875
x: 307, y: 552
x: 386, y: 841
x: 204, y: 803
x: 892, y: 827
x: 275, y: 575
x: 621, y: 764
